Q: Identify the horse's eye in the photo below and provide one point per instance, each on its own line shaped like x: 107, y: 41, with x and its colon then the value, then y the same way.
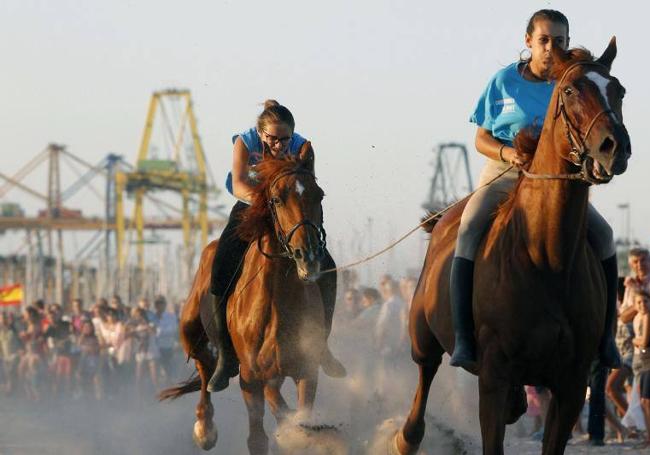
x: 568, y: 91
x: 276, y: 200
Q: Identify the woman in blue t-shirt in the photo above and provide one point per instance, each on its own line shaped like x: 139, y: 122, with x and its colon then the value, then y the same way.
x: 274, y: 134
x: 517, y: 97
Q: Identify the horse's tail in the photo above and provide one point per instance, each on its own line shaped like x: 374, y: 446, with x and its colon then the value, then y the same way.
x: 193, y: 384
x: 191, y: 331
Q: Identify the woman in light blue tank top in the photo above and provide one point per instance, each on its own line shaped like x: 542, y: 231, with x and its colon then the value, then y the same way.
x: 516, y: 97
x: 274, y: 134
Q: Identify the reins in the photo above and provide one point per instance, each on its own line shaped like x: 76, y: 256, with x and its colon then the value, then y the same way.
x: 578, y: 157
x: 579, y: 150
x: 428, y: 219
x: 285, y: 238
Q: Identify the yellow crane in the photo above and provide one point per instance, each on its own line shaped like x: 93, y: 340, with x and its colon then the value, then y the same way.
x: 153, y: 174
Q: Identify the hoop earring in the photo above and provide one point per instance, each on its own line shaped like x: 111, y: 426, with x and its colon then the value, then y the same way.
x: 525, y: 55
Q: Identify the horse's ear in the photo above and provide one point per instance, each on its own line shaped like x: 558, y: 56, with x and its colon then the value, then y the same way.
x: 306, y: 156
x: 609, y: 55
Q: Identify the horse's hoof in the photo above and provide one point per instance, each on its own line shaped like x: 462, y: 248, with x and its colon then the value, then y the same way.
x: 205, y: 440
x: 258, y: 445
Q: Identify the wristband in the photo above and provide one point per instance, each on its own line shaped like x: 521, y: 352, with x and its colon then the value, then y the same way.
x: 501, y: 153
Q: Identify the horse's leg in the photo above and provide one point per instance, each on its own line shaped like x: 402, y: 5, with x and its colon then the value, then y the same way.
x: 253, y: 393
x: 307, y: 392
x: 564, y: 409
x: 279, y: 407
x: 494, y: 391
x: 427, y: 353
x: 195, y: 344
x: 205, y: 431
x: 517, y: 404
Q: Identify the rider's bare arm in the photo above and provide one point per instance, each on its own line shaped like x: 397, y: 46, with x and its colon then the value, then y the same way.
x: 241, y: 185
x: 490, y: 147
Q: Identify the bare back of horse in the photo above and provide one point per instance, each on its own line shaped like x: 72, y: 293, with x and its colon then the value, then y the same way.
x: 539, y: 289
x: 523, y: 314
x: 275, y: 312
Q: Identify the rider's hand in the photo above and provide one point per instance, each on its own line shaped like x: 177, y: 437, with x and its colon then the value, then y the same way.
x: 512, y: 156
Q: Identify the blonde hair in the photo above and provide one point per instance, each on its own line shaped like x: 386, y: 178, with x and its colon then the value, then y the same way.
x: 273, y: 114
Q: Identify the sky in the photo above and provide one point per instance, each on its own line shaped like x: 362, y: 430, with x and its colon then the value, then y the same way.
x: 375, y: 85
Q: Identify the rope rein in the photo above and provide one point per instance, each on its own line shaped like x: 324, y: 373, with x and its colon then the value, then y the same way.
x: 431, y: 217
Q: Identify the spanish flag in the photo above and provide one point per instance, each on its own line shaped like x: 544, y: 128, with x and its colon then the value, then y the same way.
x: 11, y: 295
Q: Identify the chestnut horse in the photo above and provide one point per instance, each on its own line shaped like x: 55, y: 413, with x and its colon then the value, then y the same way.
x: 275, y: 313
x: 539, y: 290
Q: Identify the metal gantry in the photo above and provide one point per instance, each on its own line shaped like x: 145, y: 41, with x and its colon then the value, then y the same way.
x: 44, y: 271
x: 185, y: 175
x: 451, y: 179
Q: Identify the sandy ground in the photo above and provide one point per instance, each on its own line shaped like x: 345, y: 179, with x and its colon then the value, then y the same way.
x: 363, y: 409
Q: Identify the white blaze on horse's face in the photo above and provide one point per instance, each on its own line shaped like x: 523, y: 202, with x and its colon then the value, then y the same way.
x: 602, y: 83
x: 299, y: 188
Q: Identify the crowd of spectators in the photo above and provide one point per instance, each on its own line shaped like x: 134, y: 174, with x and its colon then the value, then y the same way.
x: 49, y: 352
x: 113, y: 348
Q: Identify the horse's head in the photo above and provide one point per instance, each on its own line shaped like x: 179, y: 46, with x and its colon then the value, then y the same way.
x: 588, y: 106
x: 290, y: 200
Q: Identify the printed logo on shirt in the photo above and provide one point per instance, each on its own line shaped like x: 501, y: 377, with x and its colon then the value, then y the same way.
x: 507, y: 103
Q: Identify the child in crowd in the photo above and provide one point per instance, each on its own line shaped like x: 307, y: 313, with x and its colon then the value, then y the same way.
x: 145, y: 347
x: 641, y: 363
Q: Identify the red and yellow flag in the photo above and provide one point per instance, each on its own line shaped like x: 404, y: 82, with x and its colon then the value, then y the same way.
x: 11, y: 295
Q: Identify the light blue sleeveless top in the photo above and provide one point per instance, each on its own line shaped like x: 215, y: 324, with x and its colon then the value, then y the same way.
x: 510, y: 103
x: 253, y: 143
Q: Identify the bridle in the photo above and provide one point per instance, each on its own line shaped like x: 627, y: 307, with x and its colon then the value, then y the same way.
x: 577, y: 142
x: 285, y: 238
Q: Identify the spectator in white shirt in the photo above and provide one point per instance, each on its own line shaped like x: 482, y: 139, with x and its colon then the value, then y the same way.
x: 166, y: 334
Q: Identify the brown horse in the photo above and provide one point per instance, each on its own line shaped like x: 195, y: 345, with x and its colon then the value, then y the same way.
x: 275, y: 313
x: 539, y: 290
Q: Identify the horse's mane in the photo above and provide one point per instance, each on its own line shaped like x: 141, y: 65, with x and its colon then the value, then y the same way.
x: 428, y: 222
x: 527, y: 139
x: 256, y: 219
x: 563, y: 61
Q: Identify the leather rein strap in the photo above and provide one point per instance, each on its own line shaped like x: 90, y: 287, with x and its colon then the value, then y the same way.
x: 285, y: 238
x: 579, y: 150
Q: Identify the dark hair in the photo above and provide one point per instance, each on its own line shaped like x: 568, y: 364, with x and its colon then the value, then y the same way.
x: 372, y: 294
x: 160, y: 300
x: 274, y: 113
x: 550, y: 15
x: 638, y: 252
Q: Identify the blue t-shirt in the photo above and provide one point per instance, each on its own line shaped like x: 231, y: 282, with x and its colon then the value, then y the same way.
x: 253, y: 143
x: 510, y: 103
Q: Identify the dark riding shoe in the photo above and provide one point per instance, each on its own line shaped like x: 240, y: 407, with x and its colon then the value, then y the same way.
x: 608, y: 352
x: 462, y: 282
x: 227, y: 363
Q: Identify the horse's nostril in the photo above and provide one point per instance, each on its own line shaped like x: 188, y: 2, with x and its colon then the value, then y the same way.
x: 608, y: 145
